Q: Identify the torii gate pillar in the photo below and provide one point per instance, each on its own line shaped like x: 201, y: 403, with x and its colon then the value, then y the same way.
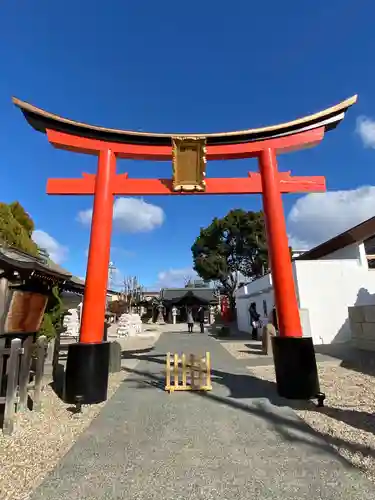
x: 278, y: 248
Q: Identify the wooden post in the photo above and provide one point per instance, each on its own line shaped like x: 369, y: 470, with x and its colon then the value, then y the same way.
x: 2, y: 347
x: 12, y: 378
x: 168, y: 370
x: 175, y: 370
x: 50, y: 351
x: 56, y: 354
x: 4, y: 301
x: 183, y: 363
x: 24, y: 377
x: 201, y: 364
x: 39, y: 372
x: 192, y: 371
x: 208, y: 368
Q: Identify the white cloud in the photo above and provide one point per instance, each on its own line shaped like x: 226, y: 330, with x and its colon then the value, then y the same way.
x: 175, y: 278
x: 57, y: 252
x: 131, y: 215
x: 84, y: 216
x: 366, y: 130
x: 317, y: 217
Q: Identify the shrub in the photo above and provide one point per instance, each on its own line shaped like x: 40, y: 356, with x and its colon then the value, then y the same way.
x: 47, y: 328
x: 52, y: 316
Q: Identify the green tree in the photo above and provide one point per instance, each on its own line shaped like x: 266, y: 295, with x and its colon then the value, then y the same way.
x: 233, y: 245
x: 22, y: 217
x: 14, y: 233
x: 118, y: 307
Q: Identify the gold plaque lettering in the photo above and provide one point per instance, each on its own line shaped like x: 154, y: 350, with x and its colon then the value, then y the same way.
x: 189, y: 163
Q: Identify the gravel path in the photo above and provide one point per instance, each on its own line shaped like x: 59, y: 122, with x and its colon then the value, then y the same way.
x: 250, y: 349
x: 229, y: 444
x: 42, y: 438
x: 348, y: 418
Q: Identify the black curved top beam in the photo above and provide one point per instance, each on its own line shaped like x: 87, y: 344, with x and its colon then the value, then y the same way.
x: 42, y: 120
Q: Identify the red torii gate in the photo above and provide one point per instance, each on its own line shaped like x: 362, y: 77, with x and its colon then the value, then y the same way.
x: 87, y: 366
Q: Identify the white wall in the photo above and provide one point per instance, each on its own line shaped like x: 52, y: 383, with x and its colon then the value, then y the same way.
x: 356, y: 252
x: 257, y: 291
x: 326, y: 288
x: 349, y: 252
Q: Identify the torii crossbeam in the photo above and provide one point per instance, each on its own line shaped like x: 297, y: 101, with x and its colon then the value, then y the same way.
x: 122, y: 185
x: 189, y: 153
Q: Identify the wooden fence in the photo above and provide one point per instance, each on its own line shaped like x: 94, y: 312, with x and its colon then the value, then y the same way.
x: 192, y: 373
x: 15, y: 371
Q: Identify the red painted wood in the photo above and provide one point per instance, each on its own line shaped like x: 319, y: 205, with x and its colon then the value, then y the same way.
x: 94, y: 303
x: 163, y: 153
x: 122, y: 185
x: 278, y: 248
x: 106, y: 184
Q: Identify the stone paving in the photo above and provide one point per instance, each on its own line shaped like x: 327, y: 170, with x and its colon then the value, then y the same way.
x: 236, y: 442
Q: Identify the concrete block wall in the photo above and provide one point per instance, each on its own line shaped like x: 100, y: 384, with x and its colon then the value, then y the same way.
x: 362, y: 326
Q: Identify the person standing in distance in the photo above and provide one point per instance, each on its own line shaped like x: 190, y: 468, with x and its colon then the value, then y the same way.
x: 254, y: 320
x: 201, y: 318
x: 190, y: 320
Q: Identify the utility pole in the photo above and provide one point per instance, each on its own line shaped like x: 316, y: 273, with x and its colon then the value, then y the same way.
x: 111, y: 269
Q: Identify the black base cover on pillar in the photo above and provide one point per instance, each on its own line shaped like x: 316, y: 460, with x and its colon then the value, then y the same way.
x: 86, y: 376
x: 295, y: 367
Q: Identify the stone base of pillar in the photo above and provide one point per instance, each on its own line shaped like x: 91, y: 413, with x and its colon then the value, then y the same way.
x: 87, y: 371
x: 295, y: 367
x: 114, y: 357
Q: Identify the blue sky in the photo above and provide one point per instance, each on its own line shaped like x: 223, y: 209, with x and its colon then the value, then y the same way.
x: 199, y: 67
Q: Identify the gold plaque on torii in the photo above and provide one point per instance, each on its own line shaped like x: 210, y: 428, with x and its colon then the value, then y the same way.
x: 189, y: 163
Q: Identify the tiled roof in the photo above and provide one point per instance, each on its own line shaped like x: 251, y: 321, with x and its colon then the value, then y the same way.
x: 21, y: 261
x: 173, y: 294
x: 14, y: 258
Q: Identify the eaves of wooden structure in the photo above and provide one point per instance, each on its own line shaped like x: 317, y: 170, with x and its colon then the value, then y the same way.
x: 181, y: 296
x: 16, y: 265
